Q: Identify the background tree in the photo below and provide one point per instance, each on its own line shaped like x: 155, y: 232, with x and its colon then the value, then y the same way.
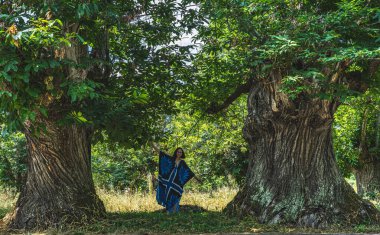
x: 297, y: 60
x: 13, y: 157
x: 356, y: 130
x: 119, y: 168
x: 69, y: 69
x: 214, y: 147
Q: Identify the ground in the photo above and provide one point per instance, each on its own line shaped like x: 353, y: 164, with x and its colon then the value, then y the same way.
x: 200, y: 213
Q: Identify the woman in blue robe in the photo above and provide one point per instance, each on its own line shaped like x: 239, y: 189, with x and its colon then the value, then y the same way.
x: 173, y: 174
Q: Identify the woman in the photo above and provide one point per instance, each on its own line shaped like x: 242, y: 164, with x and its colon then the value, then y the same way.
x: 173, y: 174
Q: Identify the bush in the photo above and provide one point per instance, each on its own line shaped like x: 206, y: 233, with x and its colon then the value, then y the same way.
x: 13, y: 155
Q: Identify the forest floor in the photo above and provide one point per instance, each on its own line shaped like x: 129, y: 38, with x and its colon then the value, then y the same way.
x: 200, y: 213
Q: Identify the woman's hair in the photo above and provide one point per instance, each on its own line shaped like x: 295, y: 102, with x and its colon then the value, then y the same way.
x: 175, y: 153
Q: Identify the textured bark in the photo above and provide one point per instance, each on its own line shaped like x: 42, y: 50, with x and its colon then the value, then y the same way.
x: 59, y: 188
x: 368, y: 176
x: 368, y: 173
x: 292, y: 175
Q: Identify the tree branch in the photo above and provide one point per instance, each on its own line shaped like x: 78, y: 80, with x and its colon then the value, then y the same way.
x: 215, y: 108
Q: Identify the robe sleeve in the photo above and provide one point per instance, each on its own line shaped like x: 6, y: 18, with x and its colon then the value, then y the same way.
x: 166, y: 164
x: 184, y: 173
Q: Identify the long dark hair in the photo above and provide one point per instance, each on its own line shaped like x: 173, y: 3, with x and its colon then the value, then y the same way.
x: 175, y: 153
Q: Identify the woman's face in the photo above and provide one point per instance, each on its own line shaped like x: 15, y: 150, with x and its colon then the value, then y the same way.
x: 179, y: 153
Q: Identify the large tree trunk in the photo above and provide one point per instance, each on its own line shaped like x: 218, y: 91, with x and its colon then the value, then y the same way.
x: 368, y: 173
x: 59, y: 187
x: 292, y: 175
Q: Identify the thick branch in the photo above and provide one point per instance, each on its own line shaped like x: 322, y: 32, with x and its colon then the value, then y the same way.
x: 215, y: 108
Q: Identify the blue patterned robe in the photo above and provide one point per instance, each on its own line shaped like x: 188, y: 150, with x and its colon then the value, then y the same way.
x: 171, y: 179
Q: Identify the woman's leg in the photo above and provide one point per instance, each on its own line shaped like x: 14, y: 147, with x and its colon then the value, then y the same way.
x: 173, y: 207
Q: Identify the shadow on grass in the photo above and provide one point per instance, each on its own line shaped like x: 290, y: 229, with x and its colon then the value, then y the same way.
x: 190, y: 219
x: 197, y: 220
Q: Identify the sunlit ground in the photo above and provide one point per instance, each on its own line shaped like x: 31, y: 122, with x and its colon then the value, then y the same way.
x: 201, y: 213
x: 125, y: 202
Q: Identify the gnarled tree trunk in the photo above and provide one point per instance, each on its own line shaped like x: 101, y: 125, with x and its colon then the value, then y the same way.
x: 292, y: 175
x: 368, y: 173
x: 59, y: 187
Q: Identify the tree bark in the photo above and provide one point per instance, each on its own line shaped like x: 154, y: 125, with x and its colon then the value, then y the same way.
x: 59, y: 188
x: 292, y: 176
x: 368, y: 173
x: 368, y: 176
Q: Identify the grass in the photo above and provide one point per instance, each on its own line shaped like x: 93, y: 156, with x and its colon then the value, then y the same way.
x: 200, y: 213
x: 127, y: 202
x: 7, y: 201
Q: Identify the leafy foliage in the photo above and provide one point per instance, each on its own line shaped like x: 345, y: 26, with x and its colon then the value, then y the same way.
x: 348, y: 126
x: 214, y: 147
x: 12, y: 160
x: 321, y: 49
x: 118, y: 168
x: 346, y: 138
x: 117, y: 64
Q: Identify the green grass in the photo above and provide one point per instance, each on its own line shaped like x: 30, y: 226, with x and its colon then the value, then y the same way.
x: 200, y: 213
x: 159, y: 222
x: 193, y: 223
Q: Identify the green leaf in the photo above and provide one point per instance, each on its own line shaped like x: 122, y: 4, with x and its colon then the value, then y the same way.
x: 28, y: 67
x: 6, y: 76
x: 73, y: 97
x: 3, y: 16
x: 32, y: 92
x: 32, y: 116
x: 81, y: 39
x: 43, y: 111
x: 25, y: 77
x: 11, y: 66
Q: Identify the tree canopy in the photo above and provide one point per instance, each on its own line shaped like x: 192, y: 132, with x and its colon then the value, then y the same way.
x: 73, y: 70
x: 325, y: 49
x: 128, y: 69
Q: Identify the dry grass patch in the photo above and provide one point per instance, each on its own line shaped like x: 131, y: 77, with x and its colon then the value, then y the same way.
x: 140, y: 202
x: 7, y: 201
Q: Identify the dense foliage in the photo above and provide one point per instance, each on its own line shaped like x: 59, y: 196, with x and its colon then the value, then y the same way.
x: 12, y: 160
x: 214, y: 147
x: 125, y: 72
x: 320, y: 49
x: 348, y: 127
x: 122, y: 169
x: 116, y: 73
